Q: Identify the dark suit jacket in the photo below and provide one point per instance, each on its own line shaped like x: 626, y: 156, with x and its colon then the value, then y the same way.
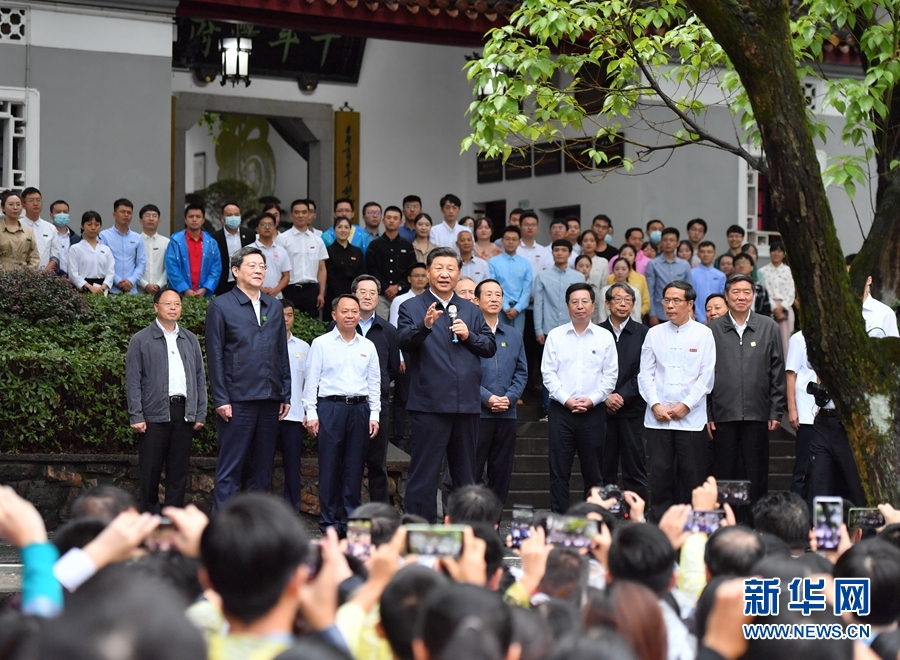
x: 628, y: 346
x: 443, y: 377
x: 247, y: 237
x: 248, y: 361
x: 384, y: 336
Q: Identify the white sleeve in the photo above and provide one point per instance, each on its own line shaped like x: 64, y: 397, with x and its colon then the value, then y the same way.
x: 311, y: 385
x: 74, y: 569
x: 706, y: 376
x: 647, y: 374
x: 74, y: 269
x: 549, y: 369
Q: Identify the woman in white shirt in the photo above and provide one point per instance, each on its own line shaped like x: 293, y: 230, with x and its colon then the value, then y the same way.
x: 584, y: 266
x: 91, y: 264
x: 779, y: 283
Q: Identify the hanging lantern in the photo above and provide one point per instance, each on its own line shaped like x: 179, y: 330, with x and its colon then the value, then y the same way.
x: 236, y: 60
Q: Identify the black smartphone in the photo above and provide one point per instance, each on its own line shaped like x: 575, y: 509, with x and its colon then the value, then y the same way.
x: 359, y: 538
x: 569, y: 531
x: 865, y: 519
x: 522, y: 520
x: 735, y: 493
x: 314, y: 559
x: 435, y: 540
x: 704, y: 521
x: 828, y: 514
x: 161, y: 539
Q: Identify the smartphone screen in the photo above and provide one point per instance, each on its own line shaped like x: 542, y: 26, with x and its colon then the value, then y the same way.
x: 314, y: 559
x: 828, y: 514
x: 435, y: 540
x: 359, y: 538
x: 161, y: 539
x: 865, y: 519
x: 570, y: 532
x: 520, y: 528
x: 704, y: 521
x: 735, y: 493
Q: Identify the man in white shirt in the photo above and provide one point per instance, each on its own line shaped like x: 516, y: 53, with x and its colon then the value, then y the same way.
x: 540, y: 259
x: 881, y: 321
x: 306, y: 287
x: 580, y: 367
x: 278, y: 263
x: 44, y: 233
x: 801, y: 408
x: 475, y: 268
x: 678, y: 362
x: 154, y: 277
x: 59, y: 211
x: 342, y: 399
x: 290, y: 429
x: 444, y: 234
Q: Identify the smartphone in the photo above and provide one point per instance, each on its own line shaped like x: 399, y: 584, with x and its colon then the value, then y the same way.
x: 865, y: 519
x: 704, y: 521
x: 735, y: 493
x: 313, y: 559
x: 569, y: 531
x: 435, y: 540
x: 359, y: 538
x: 161, y: 539
x: 828, y: 514
x: 522, y: 520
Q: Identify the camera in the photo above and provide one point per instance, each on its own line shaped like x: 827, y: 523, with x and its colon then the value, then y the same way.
x: 621, y: 509
x: 820, y: 394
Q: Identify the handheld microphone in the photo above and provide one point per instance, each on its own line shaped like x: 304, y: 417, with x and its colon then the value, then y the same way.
x: 452, y: 312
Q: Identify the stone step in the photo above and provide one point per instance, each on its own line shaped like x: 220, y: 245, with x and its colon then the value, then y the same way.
x: 538, y: 499
x: 541, y: 480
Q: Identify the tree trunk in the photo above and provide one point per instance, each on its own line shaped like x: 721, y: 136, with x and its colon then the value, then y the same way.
x: 861, y: 374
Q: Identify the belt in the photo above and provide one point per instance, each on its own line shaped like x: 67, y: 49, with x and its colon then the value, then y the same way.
x: 829, y: 412
x: 349, y: 400
x: 177, y: 400
x: 302, y: 284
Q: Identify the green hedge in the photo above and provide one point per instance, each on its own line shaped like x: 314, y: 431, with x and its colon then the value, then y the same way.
x: 62, y: 365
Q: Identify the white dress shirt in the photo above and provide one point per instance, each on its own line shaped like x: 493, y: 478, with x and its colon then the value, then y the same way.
x: 155, y: 270
x: 87, y: 262
x: 305, y: 250
x: 678, y: 365
x: 394, y: 315
x: 177, y: 377
x: 476, y: 269
x: 798, y: 362
x: 443, y: 236
x: 880, y: 319
x: 65, y: 241
x: 335, y: 367
x: 580, y: 365
x: 539, y: 256
x: 298, y: 350
x: 46, y: 236
x: 277, y: 263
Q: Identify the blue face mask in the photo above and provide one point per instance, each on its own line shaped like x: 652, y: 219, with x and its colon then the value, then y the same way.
x: 233, y: 221
x: 607, y: 238
x: 655, y: 236
x: 61, y: 219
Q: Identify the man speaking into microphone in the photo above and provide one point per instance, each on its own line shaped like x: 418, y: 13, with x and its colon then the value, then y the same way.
x: 443, y: 338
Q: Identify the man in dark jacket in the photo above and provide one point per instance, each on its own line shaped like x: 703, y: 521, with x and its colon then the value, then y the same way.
x: 166, y: 387
x: 443, y: 359
x: 230, y: 238
x: 625, y: 407
x: 748, y: 398
x: 503, y: 379
x: 249, y: 374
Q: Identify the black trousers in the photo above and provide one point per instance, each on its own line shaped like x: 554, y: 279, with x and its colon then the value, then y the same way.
x: 624, y: 438
x: 572, y: 433
x: 376, y: 462
x: 342, y: 440
x: 800, y: 478
x: 432, y: 435
x: 169, y: 444
x: 304, y: 297
x: 533, y: 352
x: 832, y: 468
x: 496, y: 453
x: 401, y: 396
x: 291, y: 437
x: 747, y: 444
x: 668, y: 452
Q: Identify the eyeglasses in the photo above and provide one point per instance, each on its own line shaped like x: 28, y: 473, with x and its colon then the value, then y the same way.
x: 150, y: 216
x: 265, y: 225
x: 672, y: 301
x: 169, y: 304
x: 620, y: 299
x: 253, y: 267
x: 373, y: 213
x: 32, y: 200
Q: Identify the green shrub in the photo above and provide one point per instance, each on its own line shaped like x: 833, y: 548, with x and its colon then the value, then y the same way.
x: 63, y: 374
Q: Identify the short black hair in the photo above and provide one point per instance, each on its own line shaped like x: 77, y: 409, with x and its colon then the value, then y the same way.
x: 878, y: 561
x: 642, y: 553
x: 654, y: 221
x: 486, y: 281
x: 148, y: 207
x: 30, y: 190
x: 251, y: 549
x: 77, y: 533
x: 629, y: 232
x: 448, y: 606
x: 474, y: 504
x: 354, y: 285
x: 400, y: 604
x: 891, y: 534
x: 528, y: 214
x: 229, y: 203
x: 337, y: 300
x: 443, y: 252
x: 743, y: 256
x: 159, y: 294
x: 689, y: 293
x: 342, y: 200
x: 103, y: 501
x: 194, y: 207
x: 777, y: 245
x: 269, y: 216
x: 601, y: 216
x: 561, y: 242
x: 90, y: 215
x: 59, y: 201
x: 555, y: 221
x: 736, y: 229
x: 734, y: 278
x: 785, y: 515
x: 565, y: 575
x: 453, y: 199
x: 672, y: 230
x: 395, y: 209
x: 587, y: 232
x: 580, y: 286
x: 698, y: 221
x: 286, y: 303
x: 412, y: 198
x: 122, y: 202
x: 412, y: 267
x: 711, y: 296
x: 368, y: 204
x: 517, y: 211
x: 304, y: 202
x: 385, y: 520
x: 733, y: 551
x: 848, y: 260
x: 512, y: 229
x: 573, y: 218
x: 704, y: 244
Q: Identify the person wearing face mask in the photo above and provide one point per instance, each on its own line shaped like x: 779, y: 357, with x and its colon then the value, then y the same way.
x: 59, y: 211
x: 230, y: 238
x: 654, y: 231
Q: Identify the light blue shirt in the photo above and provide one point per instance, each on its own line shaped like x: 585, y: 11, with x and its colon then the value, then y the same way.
x: 659, y: 274
x: 365, y: 325
x: 550, y: 309
x: 129, y: 254
x: 515, y: 277
x: 707, y: 281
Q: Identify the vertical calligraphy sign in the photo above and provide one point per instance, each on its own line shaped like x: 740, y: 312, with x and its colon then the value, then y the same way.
x: 346, y: 158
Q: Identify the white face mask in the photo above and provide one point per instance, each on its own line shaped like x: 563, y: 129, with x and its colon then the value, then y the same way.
x: 233, y: 221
